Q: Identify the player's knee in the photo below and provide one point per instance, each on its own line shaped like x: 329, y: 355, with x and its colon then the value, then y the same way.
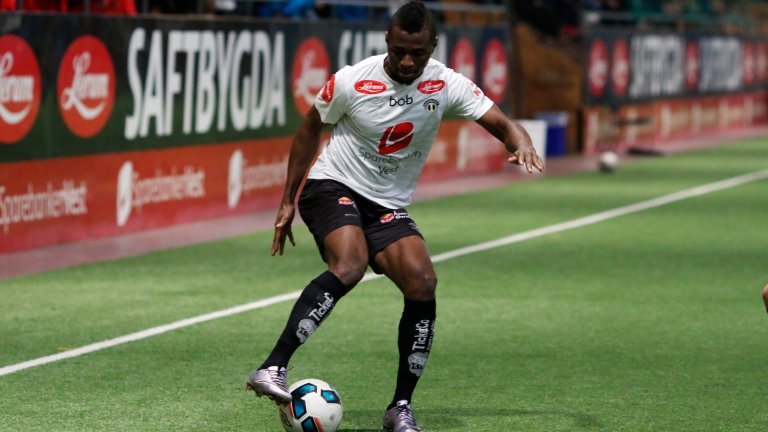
x: 421, y: 287
x: 349, y: 273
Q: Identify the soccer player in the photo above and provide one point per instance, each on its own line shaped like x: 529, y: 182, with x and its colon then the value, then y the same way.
x: 385, y: 112
x: 765, y: 297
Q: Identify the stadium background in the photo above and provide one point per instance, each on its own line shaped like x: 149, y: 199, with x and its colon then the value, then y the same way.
x: 648, y: 320
x: 125, y: 116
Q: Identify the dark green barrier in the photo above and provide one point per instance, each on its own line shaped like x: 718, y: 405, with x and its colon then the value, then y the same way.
x: 107, y: 84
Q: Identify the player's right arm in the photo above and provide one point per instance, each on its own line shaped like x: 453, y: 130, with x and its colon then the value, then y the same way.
x: 304, y: 147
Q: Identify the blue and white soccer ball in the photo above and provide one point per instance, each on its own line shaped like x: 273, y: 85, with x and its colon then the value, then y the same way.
x: 315, y: 407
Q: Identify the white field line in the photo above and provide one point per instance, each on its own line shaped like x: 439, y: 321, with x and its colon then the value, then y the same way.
x: 480, y: 247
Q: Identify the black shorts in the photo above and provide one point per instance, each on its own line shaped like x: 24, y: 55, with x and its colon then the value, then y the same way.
x: 326, y: 205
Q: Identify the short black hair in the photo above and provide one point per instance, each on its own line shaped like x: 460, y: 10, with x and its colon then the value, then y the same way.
x: 412, y: 17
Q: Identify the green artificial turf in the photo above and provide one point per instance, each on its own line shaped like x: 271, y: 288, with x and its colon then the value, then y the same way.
x: 651, y: 321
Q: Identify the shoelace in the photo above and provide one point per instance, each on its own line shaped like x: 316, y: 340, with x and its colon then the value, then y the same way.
x: 405, y: 414
x: 277, y: 375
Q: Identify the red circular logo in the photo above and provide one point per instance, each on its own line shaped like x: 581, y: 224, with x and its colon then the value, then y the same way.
x: 86, y: 86
x: 761, y: 63
x: 620, y: 67
x: 749, y: 63
x: 463, y: 58
x: 396, y: 138
x: 692, y: 65
x: 311, y: 69
x: 598, y: 67
x: 495, y: 70
x: 19, y: 88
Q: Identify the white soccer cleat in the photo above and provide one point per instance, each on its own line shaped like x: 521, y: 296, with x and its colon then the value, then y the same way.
x: 270, y: 382
x: 399, y: 418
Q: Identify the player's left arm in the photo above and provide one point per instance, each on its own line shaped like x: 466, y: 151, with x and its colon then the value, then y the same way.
x: 515, y: 139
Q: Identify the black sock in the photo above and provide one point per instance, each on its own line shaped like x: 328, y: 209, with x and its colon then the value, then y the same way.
x: 310, y: 310
x: 414, y: 341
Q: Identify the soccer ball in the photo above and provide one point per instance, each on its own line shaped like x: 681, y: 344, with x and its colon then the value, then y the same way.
x: 608, y: 161
x: 315, y: 407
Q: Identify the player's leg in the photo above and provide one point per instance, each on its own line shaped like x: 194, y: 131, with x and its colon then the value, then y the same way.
x: 407, y: 263
x: 343, y: 246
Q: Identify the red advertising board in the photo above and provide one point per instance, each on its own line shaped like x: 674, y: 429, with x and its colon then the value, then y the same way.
x: 110, y: 125
x: 69, y: 199
x: 655, y: 124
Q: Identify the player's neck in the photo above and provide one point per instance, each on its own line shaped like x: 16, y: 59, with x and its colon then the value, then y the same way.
x: 395, y: 79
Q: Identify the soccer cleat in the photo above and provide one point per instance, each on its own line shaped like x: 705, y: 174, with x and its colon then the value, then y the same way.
x: 399, y: 418
x: 269, y: 382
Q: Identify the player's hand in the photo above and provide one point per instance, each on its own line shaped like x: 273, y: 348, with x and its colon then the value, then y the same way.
x: 527, y: 156
x: 283, y: 228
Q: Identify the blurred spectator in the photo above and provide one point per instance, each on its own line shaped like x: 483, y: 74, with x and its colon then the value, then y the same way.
x: 172, y: 6
x: 303, y: 9
x: 35, y: 5
x: 225, y: 7
x: 123, y: 7
x: 351, y: 13
x: 116, y: 7
x: 552, y: 17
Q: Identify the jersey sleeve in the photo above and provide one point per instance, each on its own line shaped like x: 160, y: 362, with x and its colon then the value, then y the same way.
x: 331, y: 100
x: 466, y: 98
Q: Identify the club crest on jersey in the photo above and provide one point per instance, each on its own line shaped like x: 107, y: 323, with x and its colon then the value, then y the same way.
x: 370, y: 87
x: 431, y: 105
x: 431, y: 86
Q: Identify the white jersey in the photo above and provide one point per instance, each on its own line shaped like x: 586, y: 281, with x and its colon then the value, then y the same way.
x: 384, y: 130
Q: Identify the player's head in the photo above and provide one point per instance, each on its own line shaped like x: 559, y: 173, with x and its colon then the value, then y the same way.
x: 413, y: 17
x: 411, y: 39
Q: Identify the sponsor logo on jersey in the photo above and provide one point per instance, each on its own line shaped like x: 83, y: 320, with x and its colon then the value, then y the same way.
x: 431, y: 105
x: 86, y: 86
x: 328, y: 89
x: 476, y: 91
x: 431, y: 86
x: 370, y: 87
x: 407, y: 100
x: 389, y: 217
x: 311, y: 67
x: 396, y: 138
x: 19, y: 88
x: 346, y: 201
